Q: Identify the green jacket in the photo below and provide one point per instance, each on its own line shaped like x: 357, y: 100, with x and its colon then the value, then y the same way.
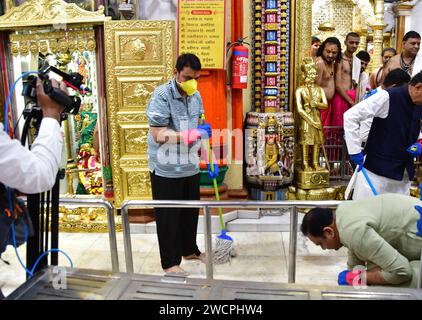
x: 381, y: 231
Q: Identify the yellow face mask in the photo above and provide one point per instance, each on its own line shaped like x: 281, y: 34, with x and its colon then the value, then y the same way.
x: 190, y: 86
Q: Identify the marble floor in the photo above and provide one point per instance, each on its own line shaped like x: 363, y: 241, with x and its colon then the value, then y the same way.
x: 261, y: 256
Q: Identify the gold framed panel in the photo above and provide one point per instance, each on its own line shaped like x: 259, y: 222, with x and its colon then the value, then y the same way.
x: 134, y: 138
x: 138, y: 186
x: 139, y: 57
x: 135, y: 92
x: 140, y: 48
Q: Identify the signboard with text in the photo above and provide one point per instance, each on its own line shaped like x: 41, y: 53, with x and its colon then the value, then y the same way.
x: 202, y: 25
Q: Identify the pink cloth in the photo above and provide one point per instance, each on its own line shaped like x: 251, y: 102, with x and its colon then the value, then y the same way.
x: 326, y: 115
x: 339, y: 107
x: 326, y: 119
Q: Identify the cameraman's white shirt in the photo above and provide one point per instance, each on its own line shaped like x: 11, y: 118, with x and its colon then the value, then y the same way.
x: 35, y: 170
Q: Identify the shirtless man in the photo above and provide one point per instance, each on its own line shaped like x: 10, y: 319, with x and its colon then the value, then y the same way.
x: 363, y: 84
x: 376, y: 75
x: 405, y: 60
x: 345, y: 87
x: 328, y: 55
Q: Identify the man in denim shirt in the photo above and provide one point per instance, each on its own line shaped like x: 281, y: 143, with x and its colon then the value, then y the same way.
x: 174, y: 116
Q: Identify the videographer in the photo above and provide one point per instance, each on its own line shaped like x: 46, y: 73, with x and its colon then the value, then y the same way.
x: 34, y: 171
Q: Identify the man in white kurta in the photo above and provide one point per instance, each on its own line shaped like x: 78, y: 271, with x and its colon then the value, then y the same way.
x: 378, y: 106
x: 35, y: 170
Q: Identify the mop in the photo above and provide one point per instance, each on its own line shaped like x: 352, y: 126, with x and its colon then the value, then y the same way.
x: 348, y: 193
x: 224, y: 247
x: 365, y: 174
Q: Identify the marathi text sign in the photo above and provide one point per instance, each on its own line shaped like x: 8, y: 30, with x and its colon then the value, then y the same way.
x: 202, y: 31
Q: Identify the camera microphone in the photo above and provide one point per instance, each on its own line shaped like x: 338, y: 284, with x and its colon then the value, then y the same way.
x: 73, y: 80
x: 82, y: 87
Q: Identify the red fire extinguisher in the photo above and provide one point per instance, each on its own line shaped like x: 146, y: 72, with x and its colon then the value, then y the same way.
x: 240, y: 62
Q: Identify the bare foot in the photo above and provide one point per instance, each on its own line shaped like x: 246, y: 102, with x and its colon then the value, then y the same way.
x: 175, y: 270
x: 193, y: 256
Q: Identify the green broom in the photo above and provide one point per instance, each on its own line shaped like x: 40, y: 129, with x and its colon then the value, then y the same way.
x: 224, y: 246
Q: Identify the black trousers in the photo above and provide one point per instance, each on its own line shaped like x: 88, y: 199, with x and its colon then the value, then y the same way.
x: 176, y: 227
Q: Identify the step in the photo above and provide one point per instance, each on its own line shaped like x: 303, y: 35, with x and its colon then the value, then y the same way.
x: 235, y: 221
x: 265, y: 224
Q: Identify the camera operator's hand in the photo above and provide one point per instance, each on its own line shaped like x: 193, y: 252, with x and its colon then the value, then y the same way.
x: 50, y: 108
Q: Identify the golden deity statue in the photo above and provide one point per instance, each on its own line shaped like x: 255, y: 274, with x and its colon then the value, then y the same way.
x: 310, y: 98
x: 272, y: 148
x: 271, y: 157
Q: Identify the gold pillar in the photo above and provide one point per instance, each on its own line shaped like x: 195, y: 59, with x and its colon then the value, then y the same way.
x: 302, y: 33
x: 363, y: 44
x: 378, y: 28
x: 9, y: 5
x: 70, y: 161
x: 402, y: 12
x: 400, y: 27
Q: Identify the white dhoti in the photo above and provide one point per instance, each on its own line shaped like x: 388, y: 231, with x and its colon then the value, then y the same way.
x: 381, y: 185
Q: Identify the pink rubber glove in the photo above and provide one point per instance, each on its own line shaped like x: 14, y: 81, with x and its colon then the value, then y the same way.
x: 203, y: 130
x: 190, y: 136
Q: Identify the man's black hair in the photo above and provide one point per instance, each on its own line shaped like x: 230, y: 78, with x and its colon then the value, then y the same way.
x: 315, y: 39
x: 411, y: 35
x: 388, y: 49
x: 416, y: 79
x: 330, y: 40
x: 316, y: 220
x: 188, y: 60
x: 352, y: 34
x: 396, y: 77
x: 363, y: 55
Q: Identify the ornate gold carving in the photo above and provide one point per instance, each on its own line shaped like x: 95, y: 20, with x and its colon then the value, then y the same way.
x: 136, y: 141
x: 91, y: 44
x: 44, y: 47
x: 338, y: 12
x: 303, y: 31
x: 135, y: 117
x: 139, y: 185
x: 331, y: 193
x: 33, y: 47
x: 54, y: 41
x: 140, y: 46
x: 130, y: 163
x: 378, y: 28
x: 85, y: 220
x: 49, y: 12
x: 14, y: 48
x: 131, y: 175
x: 135, y: 92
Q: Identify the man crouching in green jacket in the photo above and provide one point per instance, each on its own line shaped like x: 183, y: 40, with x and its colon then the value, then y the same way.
x: 382, y: 233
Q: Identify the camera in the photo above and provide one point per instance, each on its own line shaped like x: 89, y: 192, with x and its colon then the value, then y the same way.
x: 73, y: 80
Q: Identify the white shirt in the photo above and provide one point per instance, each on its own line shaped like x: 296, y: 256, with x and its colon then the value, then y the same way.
x: 377, y: 105
x: 31, y: 171
x: 417, y: 67
x: 365, y: 125
x: 363, y: 84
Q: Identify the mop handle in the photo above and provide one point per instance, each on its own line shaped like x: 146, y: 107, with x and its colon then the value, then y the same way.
x: 369, y: 181
x: 214, y: 181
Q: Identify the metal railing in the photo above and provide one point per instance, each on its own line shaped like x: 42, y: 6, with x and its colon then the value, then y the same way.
x: 336, y: 149
x: 84, y: 202
x: 207, y: 205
